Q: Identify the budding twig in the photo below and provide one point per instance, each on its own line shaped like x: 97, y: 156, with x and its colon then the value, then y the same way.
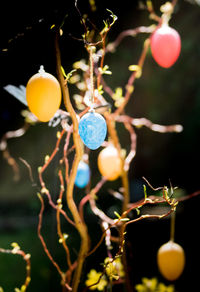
x: 26, y: 257
x: 45, y: 246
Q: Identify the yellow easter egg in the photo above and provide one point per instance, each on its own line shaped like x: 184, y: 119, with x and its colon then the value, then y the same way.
x: 171, y: 260
x: 109, y: 163
x: 43, y: 95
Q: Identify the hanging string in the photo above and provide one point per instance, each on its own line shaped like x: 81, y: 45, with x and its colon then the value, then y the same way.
x: 172, y: 227
x: 91, y: 51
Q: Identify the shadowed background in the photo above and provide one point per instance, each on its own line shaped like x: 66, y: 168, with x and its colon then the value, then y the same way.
x: 165, y: 96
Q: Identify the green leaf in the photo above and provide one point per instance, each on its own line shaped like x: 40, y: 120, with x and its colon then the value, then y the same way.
x: 145, y: 191
x: 52, y: 26
x: 117, y: 214
x: 100, y: 89
x: 63, y: 72
x: 23, y: 288
x: 107, y: 23
x: 68, y: 75
x: 114, y: 17
x: 124, y: 219
x: 15, y: 245
x: 105, y: 70
x: 137, y: 69
x: 138, y: 211
x: 118, y: 94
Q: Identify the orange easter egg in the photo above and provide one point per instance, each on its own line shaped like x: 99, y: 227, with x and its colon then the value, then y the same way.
x: 171, y: 260
x: 43, y: 94
x: 109, y: 163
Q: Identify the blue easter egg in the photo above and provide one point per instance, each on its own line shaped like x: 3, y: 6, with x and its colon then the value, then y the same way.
x: 92, y: 130
x: 82, y: 175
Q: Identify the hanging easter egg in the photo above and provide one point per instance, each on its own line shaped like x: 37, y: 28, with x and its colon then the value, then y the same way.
x: 109, y: 163
x: 43, y: 95
x: 171, y: 260
x: 92, y: 130
x: 165, y: 46
x: 82, y: 175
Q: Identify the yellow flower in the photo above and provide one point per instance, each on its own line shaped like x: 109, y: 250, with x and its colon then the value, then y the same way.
x: 95, y: 280
x: 114, y: 268
x: 163, y: 288
x: 152, y: 285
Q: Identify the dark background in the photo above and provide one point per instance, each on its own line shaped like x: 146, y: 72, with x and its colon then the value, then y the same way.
x: 165, y: 96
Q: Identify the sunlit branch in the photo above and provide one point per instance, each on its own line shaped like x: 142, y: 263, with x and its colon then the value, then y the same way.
x: 129, y: 86
x: 150, y: 216
x: 98, y: 212
x: 124, y: 176
x: 103, y: 52
x: 107, y: 88
x: 132, y: 152
x: 140, y: 122
x: 150, y: 200
x: 62, y: 239
x: 65, y: 149
x: 111, y: 47
x: 47, y: 162
x: 124, y: 215
x: 26, y: 257
x: 4, y: 148
x: 44, y: 190
x: 44, y: 243
x: 107, y: 237
x: 81, y: 227
x: 152, y: 13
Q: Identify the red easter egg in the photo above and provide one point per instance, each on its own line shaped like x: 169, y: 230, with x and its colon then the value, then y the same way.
x: 165, y: 46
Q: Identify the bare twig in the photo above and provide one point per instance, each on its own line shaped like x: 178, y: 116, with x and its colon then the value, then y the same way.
x: 45, y: 246
x: 60, y: 234
x: 48, y: 161
x: 111, y: 47
x: 140, y: 122
x: 29, y: 170
x: 129, y: 86
x: 16, y: 250
x: 132, y: 152
x: 4, y: 148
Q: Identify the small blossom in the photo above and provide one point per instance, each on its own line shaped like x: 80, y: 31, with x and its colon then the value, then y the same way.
x: 114, y: 268
x: 152, y: 285
x: 96, y: 280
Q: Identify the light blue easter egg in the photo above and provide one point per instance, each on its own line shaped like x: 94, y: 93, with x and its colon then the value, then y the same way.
x: 92, y: 130
x: 82, y: 175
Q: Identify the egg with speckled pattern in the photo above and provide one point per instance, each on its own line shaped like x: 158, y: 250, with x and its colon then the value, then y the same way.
x: 92, y: 130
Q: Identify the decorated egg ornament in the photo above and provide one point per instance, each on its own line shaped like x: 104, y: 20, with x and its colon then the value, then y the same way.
x: 171, y: 260
x: 92, y: 130
x: 165, y: 45
x: 109, y: 163
x: 43, y: 95
x: 82, y: 175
